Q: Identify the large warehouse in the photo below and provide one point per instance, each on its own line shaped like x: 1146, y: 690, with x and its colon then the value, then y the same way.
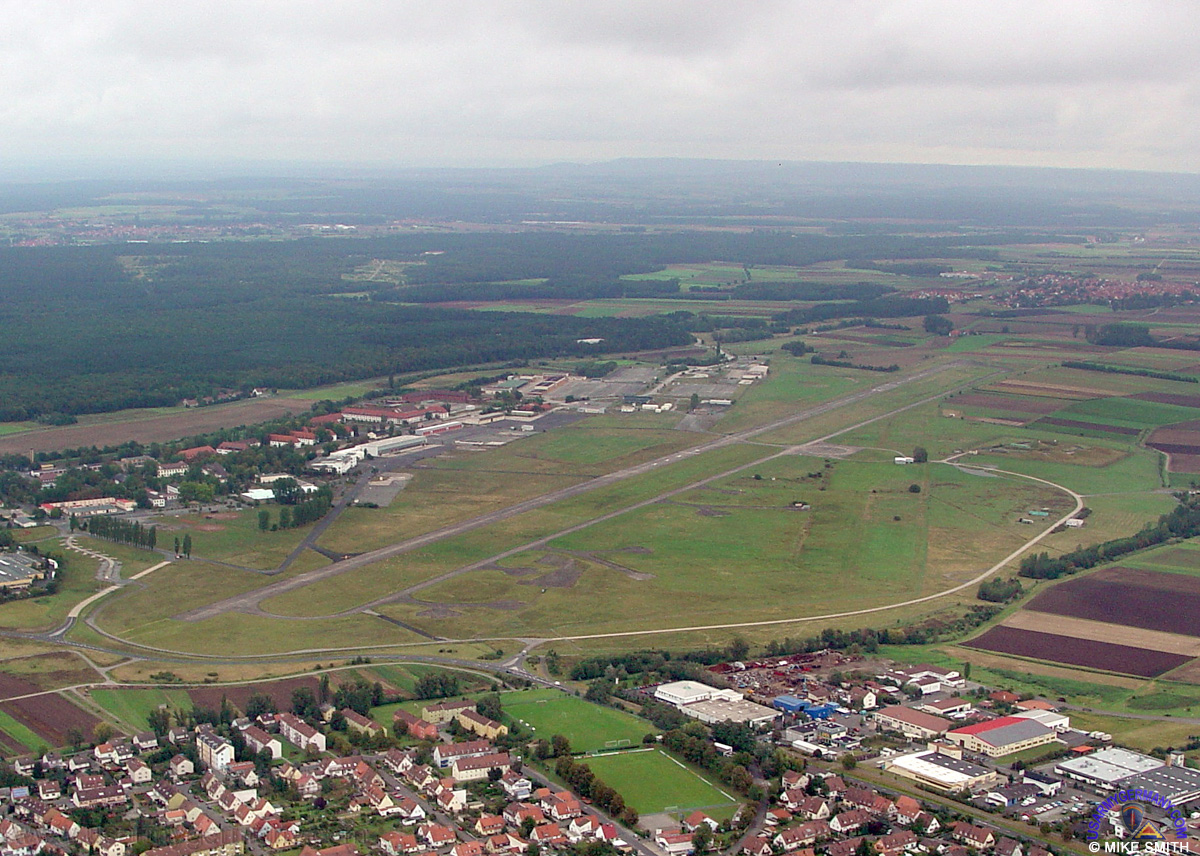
x: 712, y: 704
x: 1116, y: 769
x: 942, y: 772
x: 1003, y: 736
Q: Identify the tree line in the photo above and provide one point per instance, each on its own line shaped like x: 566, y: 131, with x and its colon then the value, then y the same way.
x: 1183, y: 521
x: 119, y: 530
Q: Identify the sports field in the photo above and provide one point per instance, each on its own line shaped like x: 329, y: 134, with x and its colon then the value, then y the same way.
x: 588, y: 726
x: 652, y: 781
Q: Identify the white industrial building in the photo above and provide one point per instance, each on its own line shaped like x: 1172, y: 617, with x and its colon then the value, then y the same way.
x: 680, y: 693
x: 341, y: 461
x: 713, y: 704
x: 392, y: 445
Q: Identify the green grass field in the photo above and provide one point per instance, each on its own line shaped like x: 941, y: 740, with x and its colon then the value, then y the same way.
x: 236, y: 540
x: 652, y: 781
x: 588, y: 726
x: 20, y: 733
x: 133, y: 706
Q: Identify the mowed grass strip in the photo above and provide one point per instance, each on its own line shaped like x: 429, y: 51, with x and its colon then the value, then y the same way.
x: 19, y: 732
x: 651, y: 781
x: 133, y: 706
x: 588, y: 726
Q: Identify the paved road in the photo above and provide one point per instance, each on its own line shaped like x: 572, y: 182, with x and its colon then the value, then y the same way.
x: 250, y: 601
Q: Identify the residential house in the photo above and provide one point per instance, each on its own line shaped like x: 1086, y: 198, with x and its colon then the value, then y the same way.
x: 562, y: 806
x: 445, y: 753
x: 673, y: 842
x: 479, y: 724
x: 261, y: 741
x: 802, y: 835
x: 758, y: 845
x: 417, y: 728
x: 139, y: 771
x: 214, y: 750
x: 488, y: 825
x: 300, y: 734
x: 973, y: 836
x: 548, y: 835
x: 180, y: 766
x: 693, y: 821
x: 145, y: 741
x: 850, y: 821
x: 399, y: 843
x: 446, y: 711
x: 516, y: 786
x: 896, y: 843
x: 223, y: 843
x: 356, y: 722
x: 478, y: 767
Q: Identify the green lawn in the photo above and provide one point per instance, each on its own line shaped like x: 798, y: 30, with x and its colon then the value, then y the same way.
x: 133, y: 706
x: 651, y: 781
x: 588, y: 726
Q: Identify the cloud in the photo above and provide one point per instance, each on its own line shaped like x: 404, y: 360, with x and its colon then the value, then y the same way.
x: 453, y: 82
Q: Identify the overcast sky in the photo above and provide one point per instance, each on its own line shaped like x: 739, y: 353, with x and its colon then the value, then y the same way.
x: 1087, y: 84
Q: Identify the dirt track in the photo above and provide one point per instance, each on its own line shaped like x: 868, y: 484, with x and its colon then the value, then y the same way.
x: 153, y: 429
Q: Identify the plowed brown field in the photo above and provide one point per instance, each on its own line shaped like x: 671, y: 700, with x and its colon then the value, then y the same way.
x: 1077, y: 652
x: 1127, y: 596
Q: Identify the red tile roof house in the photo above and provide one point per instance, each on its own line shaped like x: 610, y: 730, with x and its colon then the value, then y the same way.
x: 776, y: 816
x: 355, y: 721
x: 806, y: 833
x: 850, y: 821
x: 896, y: 843
x: 416, y: 727
x: 489, y: 824
x: 548, y: 833
x: 757, y: 845
x: 973, y: 836
x: 673, y: 841
x: 692, y: 822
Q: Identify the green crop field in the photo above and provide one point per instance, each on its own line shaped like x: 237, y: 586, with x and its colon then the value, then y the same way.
x: 651, y: 781
x: 588, y: 726
x: 133, y: 706
x: 19, y: 733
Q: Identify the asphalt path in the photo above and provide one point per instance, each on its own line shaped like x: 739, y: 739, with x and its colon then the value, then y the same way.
x: 249, y: 602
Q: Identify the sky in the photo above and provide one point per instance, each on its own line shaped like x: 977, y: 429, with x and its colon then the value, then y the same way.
x: 409, y: 83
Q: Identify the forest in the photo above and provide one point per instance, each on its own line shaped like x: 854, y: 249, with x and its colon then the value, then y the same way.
x: 99, y: 328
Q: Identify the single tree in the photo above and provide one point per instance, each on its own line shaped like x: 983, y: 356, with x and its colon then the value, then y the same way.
x: 264, y: 520
x: 187, y: 545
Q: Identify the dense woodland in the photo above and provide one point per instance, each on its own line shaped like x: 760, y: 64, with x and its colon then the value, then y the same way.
x: 99, y: 328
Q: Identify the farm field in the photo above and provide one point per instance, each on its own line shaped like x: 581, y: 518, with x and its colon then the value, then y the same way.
x: 152, y: 427
x: 652, y: 781
x: 1125, y: 596
x: 16, y: 739
x: 588, y: 726
x: 1073, y: 651
x: 132, y: 707
x: 51, y: 717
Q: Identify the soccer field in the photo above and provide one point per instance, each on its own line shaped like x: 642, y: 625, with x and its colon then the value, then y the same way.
x: 651, y: 781
x: 588, y: 726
